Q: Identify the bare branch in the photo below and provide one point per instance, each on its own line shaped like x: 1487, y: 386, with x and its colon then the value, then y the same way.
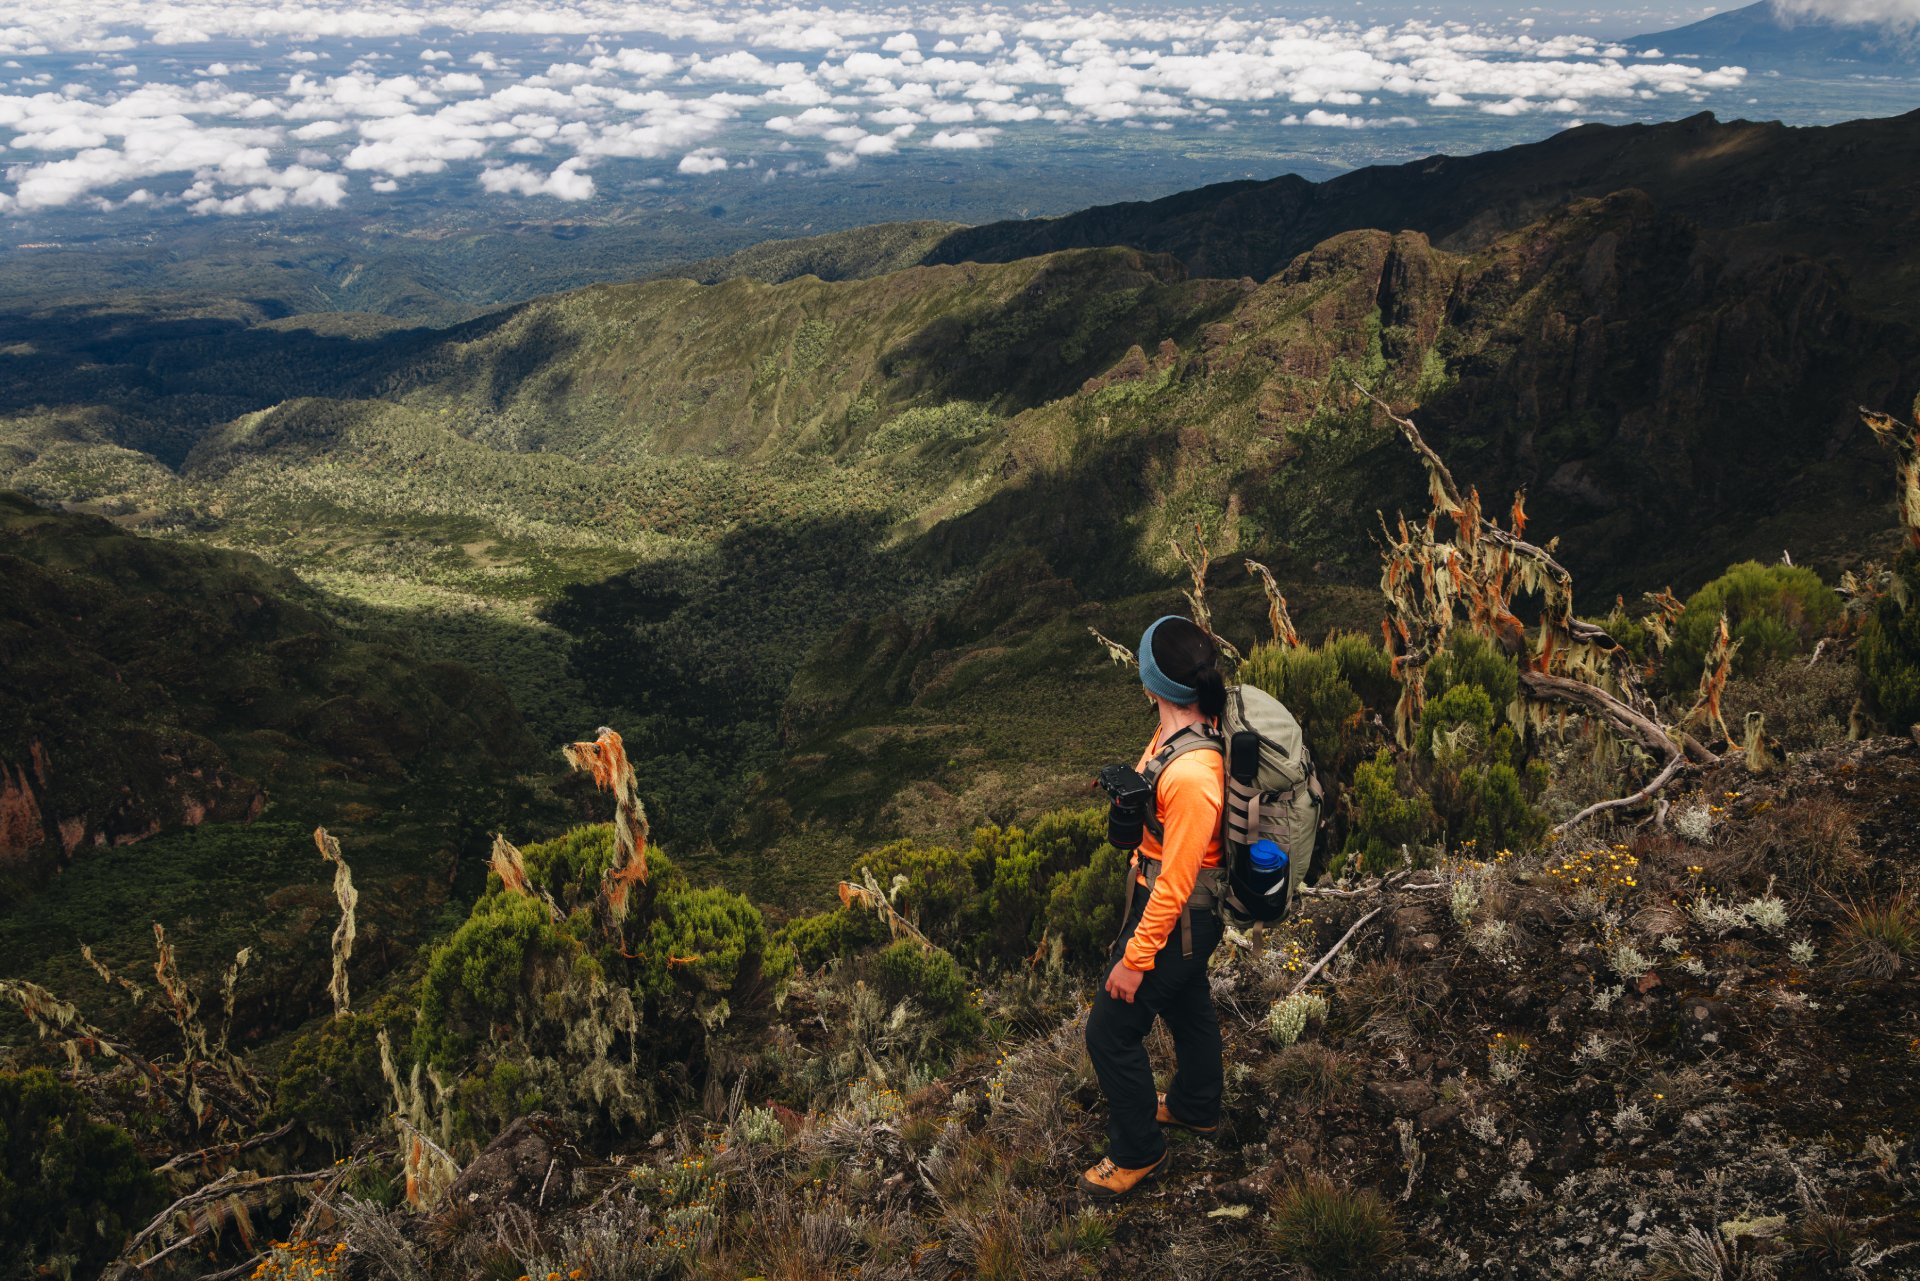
x: 1321, y: 964
x: 1660, y: 780
x: 204, y: 1155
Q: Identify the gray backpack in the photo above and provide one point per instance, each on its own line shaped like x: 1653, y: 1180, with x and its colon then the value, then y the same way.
x: 1273, y: 793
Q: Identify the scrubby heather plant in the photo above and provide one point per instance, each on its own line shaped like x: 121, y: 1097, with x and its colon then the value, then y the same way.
x: 539, y: 999
x: 71, y: 1188
x: 1772, y: 611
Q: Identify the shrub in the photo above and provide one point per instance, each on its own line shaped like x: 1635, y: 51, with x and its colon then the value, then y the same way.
x: 1024, y: 866
x: 71, y: 1188
x: 1774, y: 611
x: 820, y: 938
x: 1334, y: 1231
x: 1470, y: 660
x: 1083, y: 908
x: 1311, y: 1075
x: 945, y: 887
x: 1890, y: 650
x: 485, y: 973
x: 528, y: 1011
x: 1384, y: 817
x: 932, y: 981
x: 1493, y: 808
x: 330, y: 1081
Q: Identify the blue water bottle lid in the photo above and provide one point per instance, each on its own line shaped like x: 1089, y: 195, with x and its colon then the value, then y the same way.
x: 1267, y: 856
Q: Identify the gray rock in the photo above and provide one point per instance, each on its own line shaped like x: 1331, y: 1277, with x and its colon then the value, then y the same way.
x: 1401, y: 1098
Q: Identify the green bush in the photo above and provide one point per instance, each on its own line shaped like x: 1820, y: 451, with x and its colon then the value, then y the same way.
x: 945, y: 889
x: 1385, y: 817
x: 1775, y: 611
x: 1470, y: 660
x: 824, y: 936
x: 1083, y: 908
x: 934, y: 983
x: 585, y: 1018
x: 1457, y: 724
x: 1890, y: 650
x: 330, y: 1081
x: 701, y: 939
x: 1025, y: 866
x: 71, y: 1188
x: 987, y: 903
x: 487, y: 973
x: 1492, y: 808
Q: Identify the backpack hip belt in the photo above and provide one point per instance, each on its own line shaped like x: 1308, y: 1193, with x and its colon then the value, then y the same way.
x: 1209, y: 892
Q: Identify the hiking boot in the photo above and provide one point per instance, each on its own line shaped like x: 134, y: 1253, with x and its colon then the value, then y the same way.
x: 1165, y: 1117
x: 1110, y: 1182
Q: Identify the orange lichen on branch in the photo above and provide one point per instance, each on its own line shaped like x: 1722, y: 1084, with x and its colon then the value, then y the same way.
x: 1713, y: 681
x: 511, y: 868
x: 1905, y: 441
x: 1277, y: 616
x: 605, y: 758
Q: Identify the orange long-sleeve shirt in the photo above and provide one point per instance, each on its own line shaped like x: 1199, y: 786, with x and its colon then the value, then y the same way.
x: 1187, y: 803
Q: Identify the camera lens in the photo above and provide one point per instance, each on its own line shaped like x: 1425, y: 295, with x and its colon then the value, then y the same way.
x: 1125, y: 823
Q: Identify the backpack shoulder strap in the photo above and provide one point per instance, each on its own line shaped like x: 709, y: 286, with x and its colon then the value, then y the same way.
x: 1190, y: 739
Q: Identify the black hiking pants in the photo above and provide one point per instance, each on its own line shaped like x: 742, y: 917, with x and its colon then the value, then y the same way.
x: 1176, y: 991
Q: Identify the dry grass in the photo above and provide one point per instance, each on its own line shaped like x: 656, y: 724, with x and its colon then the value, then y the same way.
x: 1335, y: 1232
x: 1311, y: 1076
x: 1391, y: 1004
x: 1880, y: 939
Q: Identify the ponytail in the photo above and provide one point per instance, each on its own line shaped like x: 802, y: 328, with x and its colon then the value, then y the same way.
x: 1213, y: 692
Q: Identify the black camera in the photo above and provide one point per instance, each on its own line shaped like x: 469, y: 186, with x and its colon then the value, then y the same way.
x: 1127, y: 796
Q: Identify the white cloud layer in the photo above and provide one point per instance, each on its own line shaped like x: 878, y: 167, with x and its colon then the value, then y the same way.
x: 1901, y: 14
x: 644, y: 90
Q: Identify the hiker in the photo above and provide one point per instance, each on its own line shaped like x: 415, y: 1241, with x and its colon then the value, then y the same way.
x: 1171, y: 924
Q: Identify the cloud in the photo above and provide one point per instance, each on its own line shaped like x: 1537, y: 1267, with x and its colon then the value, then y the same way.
x: 962, y: 139
x: 659, y: 83
x: 567, y: 182
x: 1341, y: 120
x: 1902, y: 15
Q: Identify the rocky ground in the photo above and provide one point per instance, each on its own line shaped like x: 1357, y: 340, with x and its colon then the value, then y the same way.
x: 1688, y: 1051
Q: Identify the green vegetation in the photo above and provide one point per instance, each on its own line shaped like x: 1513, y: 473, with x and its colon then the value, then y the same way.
x: 1890, y: 648
x: 71, y: 1188
x: 504, y: 1000
x: 1774, y: 611
x: 1329, y: 688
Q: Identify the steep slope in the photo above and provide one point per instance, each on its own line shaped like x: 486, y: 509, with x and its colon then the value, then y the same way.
x: 153, y: 686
